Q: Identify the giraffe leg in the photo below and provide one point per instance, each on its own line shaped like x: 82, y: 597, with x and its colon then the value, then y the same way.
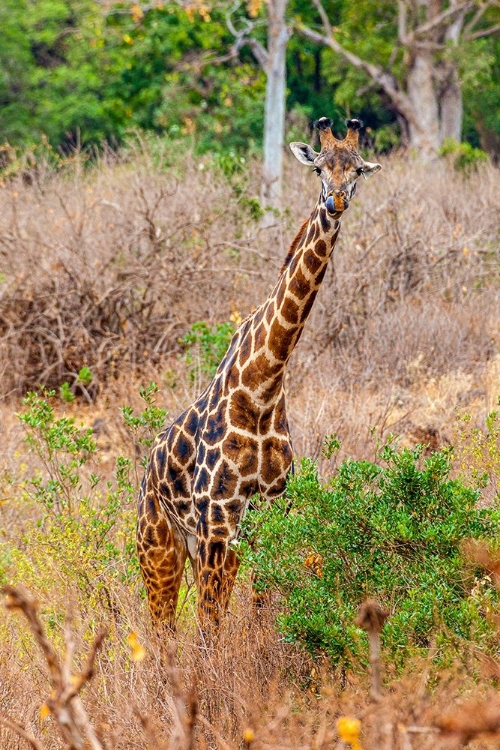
x: 217, y: 570
x: 162, y: 556
x: 231, y: 565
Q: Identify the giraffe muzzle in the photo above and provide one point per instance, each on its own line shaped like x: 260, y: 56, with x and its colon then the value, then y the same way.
x: 337, y: 202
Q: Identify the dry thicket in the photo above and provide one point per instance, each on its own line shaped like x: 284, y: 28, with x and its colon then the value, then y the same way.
x: 107, y: 268
x: 252, y: 690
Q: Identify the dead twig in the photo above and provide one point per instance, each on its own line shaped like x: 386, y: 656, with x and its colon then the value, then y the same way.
x: 64, y: 703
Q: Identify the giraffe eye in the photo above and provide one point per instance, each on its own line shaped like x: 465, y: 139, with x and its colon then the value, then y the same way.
x: 317, y: 170
x: 360, y: 171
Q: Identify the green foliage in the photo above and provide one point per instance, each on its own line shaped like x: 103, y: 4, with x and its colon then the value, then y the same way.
x: 464, y: 157
x: 205, y: 346
x: 62, y: 447
x: 144, y: 426
x: 477, y: 451
x: 76, y: 73
x: 390, y: 530
x: 82, y: 527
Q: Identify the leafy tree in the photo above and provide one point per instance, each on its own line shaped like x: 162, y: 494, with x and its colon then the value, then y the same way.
x: 410, y: 52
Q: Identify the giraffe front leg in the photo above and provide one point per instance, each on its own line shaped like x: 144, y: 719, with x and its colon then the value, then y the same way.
x: 217, y: 568
x: 162, y: 556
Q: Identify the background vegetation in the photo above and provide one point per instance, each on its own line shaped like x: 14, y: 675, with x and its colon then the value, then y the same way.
x: 81, y: 71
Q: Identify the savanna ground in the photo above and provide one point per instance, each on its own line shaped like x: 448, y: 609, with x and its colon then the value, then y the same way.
x: 108, y: 268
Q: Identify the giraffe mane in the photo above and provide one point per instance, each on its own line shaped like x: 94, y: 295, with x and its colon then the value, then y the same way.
x: 293, y: 246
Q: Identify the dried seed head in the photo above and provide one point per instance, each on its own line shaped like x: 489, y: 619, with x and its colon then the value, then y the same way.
x: 371, y: 617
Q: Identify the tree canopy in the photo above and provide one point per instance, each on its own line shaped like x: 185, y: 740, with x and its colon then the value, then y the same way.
x: 86, y: 71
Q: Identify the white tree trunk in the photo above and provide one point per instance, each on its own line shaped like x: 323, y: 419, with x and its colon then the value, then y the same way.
x: 450, y: 99
x: 424, y: 131
x: 274, y: 116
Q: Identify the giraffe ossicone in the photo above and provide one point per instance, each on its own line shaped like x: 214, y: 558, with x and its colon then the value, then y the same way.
x: 234, y: 440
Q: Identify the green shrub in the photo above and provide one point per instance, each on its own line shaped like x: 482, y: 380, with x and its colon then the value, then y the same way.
x: 81, y: 529
x: 390, y: 530
x: 205, y: 346
x: 463, y: 156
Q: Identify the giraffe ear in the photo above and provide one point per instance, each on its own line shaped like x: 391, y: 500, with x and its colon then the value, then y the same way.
x: 369, y: 169
x: 303, y: 153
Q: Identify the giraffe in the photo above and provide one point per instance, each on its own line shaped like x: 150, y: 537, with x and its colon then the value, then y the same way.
x: 234, y: 440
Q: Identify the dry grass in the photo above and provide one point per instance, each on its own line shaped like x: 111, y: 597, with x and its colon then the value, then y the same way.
x: 107, y: 269
x: 252, y: 690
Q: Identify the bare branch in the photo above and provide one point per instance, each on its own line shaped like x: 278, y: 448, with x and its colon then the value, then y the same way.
x: 477, y: 17
x: 482, y: 32
x: 402, y: 22
x: 63, y: 703
x: 18, y: 729
x: 259, y: 52
x: 22, y: 600
x: 243, y: 38
x: 380, y: 76
x: 440, y: 18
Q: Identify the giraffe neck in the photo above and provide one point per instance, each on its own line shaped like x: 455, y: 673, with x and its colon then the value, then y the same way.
x: 274, y: 330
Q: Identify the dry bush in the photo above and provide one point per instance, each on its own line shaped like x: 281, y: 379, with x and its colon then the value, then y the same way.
x: 109, y: 268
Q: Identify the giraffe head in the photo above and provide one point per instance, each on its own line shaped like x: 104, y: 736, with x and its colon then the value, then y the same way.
x: 338, y: 164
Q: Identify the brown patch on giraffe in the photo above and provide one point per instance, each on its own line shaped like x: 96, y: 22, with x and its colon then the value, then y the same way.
x: 321, y: 248
x: 294, y: 263
x: 280, y: 420
x: 290, y: 311
x: 312, y: 261
x: 233, y: 379
x: 217, y: 514
x: 307, y: 307
x: 258, y: 370
x: 243, y: 451
x: 281, y: 294
x: 266, y: 420
x: 325, y: 223
x: 243, y: 412
x: 319, y: 278
x: 260, y: 337
x: 245, y: 348
x: 190, y: 421
x: 249, y: 488
x: 276, y: 457
x: 279, y: 341
x: 184, y: 449
x: 270, y: 313
x: 277, y: 488
x: 299, y: 285
x: 212, y: 457
x: 216, y: 424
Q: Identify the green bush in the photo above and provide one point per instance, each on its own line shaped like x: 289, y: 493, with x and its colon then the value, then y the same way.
x: 464, y: 157
x: 81, y: 524
x: 391, y: 530
x: 205, y: 346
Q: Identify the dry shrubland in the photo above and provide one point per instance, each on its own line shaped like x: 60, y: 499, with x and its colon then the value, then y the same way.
x: 107, y: 268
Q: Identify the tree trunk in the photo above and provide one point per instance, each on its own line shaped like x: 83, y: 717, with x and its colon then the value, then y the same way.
x: 274, y: 115
x: 450, y: 98
x: 424, y: 132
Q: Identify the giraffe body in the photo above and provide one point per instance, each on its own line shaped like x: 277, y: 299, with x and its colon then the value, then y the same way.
x: 234, y: 440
